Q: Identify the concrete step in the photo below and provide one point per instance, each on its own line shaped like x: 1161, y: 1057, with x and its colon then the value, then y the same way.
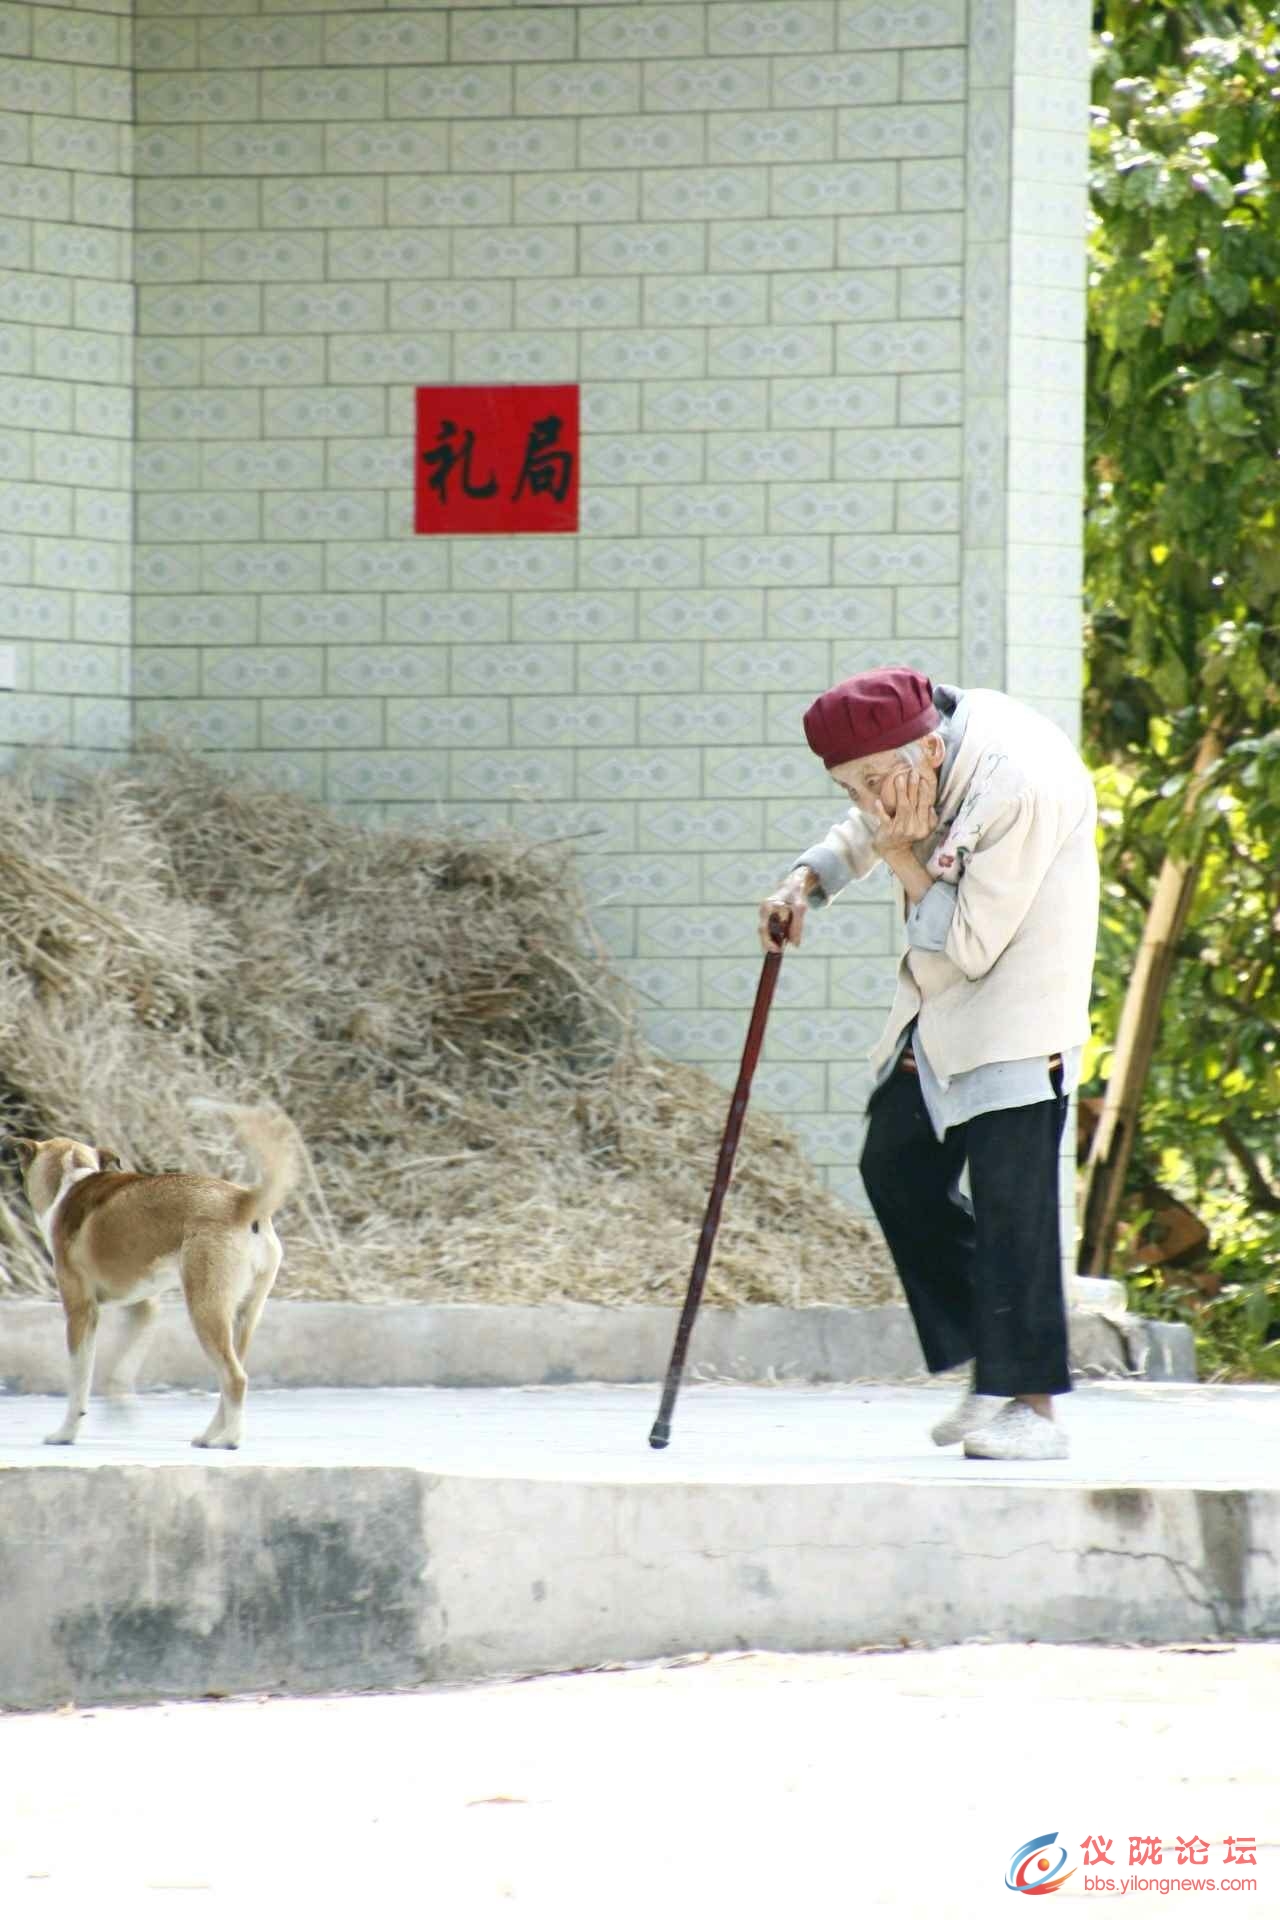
x: 302, y: 1343
x: 375, y: 1539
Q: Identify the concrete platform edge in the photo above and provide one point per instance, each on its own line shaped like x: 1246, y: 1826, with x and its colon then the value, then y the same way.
x: 323, y: 1344
x: 126, y: 1583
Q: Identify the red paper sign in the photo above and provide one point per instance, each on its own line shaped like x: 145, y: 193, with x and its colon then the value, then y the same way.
x: 496, y: 460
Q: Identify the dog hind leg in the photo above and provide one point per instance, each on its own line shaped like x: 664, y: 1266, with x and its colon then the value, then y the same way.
x: 225, y: 1428
x: 208, y: 1301
x: 249, y: 1312
x: 82, y: 1334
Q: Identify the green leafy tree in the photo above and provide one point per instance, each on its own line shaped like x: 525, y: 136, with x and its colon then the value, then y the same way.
x: 1182, y: 713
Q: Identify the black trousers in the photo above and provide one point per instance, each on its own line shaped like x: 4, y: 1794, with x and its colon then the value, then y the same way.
x: 983, y: 1281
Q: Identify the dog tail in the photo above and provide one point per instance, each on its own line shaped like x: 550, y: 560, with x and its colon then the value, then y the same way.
x: 275, y: 1144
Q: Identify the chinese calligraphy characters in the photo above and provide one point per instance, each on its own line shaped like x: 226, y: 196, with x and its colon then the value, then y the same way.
x: 496, y: 460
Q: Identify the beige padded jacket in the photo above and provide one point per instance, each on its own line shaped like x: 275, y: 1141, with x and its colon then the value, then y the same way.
x: 1017, y: 841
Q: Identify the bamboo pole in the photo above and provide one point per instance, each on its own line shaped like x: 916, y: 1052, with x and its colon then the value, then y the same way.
x: 1113, y: 1140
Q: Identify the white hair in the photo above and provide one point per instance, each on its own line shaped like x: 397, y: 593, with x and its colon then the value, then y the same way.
x: 913, y: 752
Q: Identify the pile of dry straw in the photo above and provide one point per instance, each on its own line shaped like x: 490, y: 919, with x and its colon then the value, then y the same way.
x: 482, y: 1119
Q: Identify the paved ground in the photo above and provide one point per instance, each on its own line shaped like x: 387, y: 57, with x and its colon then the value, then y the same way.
x: 741, y: 1788
x: 1131, y: 1434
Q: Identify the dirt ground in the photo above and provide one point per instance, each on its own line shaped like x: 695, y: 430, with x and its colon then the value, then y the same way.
x: 738, y: 1787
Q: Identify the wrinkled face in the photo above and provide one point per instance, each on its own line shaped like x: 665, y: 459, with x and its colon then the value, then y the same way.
x: 49, y: 1164
x: 879, y: 775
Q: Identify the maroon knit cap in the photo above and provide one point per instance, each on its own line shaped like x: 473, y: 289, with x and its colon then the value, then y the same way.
x: 869, y: 714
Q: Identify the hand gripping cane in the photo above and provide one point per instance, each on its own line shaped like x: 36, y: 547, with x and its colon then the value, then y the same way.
x: 660, y: 1434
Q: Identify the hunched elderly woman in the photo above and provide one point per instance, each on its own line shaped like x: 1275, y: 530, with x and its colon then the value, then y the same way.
x: 985, y: 813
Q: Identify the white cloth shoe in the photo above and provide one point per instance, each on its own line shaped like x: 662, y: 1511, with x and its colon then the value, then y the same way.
x: 974, y: 1411
x: 1018, y: 1432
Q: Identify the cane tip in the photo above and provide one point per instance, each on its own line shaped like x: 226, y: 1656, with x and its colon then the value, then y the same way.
x: 660, y: 1434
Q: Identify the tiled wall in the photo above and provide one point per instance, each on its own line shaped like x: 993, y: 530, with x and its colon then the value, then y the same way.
x: 1047, y: 212
x: 818, y: 266
x: 1025, y: 213
x: 66, y: 399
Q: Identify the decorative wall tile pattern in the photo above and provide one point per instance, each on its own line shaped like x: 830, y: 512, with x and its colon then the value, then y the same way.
x: 818, y: 267
x: 66, y: 376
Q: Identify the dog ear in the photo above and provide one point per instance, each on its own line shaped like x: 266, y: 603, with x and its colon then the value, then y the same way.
x: 26, y: 1150
x: 108, y: 1161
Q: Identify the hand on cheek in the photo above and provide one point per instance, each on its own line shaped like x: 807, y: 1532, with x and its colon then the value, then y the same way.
x: 904, y: 809
x: 889, y: 799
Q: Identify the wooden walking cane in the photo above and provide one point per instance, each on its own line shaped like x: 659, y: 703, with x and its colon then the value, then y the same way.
x: 660, y: 1434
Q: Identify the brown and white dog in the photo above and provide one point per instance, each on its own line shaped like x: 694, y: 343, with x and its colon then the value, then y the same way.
x: 122, y: 1238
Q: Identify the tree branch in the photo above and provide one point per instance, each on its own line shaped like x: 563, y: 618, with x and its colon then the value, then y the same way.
x: 1241, y: 1007
x: 1262, y: 1194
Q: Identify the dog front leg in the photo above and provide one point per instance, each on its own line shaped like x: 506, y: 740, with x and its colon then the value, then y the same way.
x: 140, y: 1319
x: 82, y: 1334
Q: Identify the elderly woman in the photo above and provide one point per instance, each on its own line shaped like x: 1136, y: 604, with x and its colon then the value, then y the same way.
x: 985, y: 814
